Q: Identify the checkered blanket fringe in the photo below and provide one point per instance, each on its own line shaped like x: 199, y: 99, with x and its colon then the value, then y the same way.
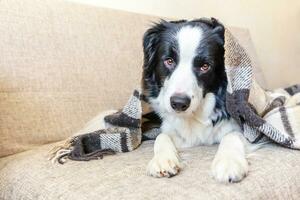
x: 263, y: 115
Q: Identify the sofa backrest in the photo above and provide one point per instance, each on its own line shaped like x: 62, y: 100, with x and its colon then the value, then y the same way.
x: 62, y: 63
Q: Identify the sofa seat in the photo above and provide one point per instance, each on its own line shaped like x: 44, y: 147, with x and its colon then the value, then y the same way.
x: 274, y: 174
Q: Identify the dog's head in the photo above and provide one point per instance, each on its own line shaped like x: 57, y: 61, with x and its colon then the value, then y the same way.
x: 183, y: 61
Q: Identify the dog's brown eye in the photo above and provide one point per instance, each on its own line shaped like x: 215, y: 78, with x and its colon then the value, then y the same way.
x: 204, y: 68
x: 169, y: 63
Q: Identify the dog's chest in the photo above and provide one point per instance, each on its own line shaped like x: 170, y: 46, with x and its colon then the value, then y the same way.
x: 191, y: 132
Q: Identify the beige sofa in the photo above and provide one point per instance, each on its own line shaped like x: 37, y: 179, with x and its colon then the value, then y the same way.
x: 60, y: 65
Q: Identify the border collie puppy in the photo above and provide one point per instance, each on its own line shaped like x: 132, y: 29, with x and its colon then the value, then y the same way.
x: 185, y: 83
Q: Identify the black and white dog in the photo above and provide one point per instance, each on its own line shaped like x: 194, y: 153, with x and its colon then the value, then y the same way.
x: 185, y: 82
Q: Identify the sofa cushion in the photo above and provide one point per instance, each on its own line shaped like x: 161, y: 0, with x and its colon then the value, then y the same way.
x: 274, y: 174
x: 62, y: 63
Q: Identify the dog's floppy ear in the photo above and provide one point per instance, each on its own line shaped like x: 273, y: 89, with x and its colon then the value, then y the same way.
x: 150, y: 43
x: 217, y: 26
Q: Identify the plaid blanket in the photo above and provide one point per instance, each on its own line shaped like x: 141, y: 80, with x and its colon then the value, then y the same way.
x: 263, y: 115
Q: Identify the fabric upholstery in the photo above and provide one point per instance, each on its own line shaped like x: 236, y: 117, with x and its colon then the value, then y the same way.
x: 274, y: 174
x: 62, y: 63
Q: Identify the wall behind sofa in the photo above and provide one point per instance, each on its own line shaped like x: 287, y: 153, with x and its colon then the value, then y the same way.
x: 274, y: 26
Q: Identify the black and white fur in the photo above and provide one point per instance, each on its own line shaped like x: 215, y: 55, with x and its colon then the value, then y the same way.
x: 185, y: 82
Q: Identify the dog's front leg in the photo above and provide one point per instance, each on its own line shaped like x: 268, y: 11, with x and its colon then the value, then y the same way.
x: 166, y: 161
x: 230, y: 164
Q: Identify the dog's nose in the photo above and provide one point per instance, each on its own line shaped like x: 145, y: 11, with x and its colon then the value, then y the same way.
x: 180, y: 102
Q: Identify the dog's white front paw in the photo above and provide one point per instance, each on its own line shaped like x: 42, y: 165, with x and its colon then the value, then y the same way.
x: 228, y: 169
x: 164, y: 165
